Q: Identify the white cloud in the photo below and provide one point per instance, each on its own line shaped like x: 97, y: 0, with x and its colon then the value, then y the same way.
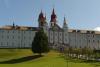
x: 97, y: 29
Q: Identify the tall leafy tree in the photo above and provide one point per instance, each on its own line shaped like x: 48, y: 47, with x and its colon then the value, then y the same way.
x: 40, y: 42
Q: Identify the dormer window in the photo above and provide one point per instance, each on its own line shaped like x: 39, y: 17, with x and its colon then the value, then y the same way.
x: 88, y: 32
x: 74, y: 31
x: 78, y: 31
x: 93, y: 32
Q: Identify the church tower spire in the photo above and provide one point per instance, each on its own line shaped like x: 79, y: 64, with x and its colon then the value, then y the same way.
x: 53, y: 18
x: 53, y: 12
x: 65, y: 25
x: 65, y: 21
x: 13, y: 25
x: 65, y: 32
x: 41, y: 19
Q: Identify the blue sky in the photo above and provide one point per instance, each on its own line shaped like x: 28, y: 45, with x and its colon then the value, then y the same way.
x: 81, y: 14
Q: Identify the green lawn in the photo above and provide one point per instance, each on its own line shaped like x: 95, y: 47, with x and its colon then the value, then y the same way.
x: 52, y: 59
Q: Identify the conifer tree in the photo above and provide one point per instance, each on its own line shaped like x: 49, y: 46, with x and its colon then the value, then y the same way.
x: 40, y: 43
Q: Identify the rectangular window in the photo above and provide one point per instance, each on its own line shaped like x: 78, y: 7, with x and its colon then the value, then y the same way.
x: 2, y: 36
x: 93, y: 36
x: 98, y: 41
x: 60, y: 39
x: 7, y: 37
x: 13, y: 37
x: 13, y: 31
x: 66, y: 34
x: 2, y: 31
x: 60, y: 34
x: 55, y: 33
x: 24, y: 31
x: 50, y: 38
x: 18, y: 37
x: 18, y: 31
x: 24, y: 45
x: 1, y: 43
x: 89, y: 41
x: 7, y: 43
x: 12, y: 43
x: 29, y: 37
x: 93, y: 41
x: 8, y: 31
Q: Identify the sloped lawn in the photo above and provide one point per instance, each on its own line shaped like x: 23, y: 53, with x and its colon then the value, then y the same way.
x: 25, y: 58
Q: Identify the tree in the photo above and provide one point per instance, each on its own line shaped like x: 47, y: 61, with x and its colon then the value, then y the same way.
x: 40, y: 42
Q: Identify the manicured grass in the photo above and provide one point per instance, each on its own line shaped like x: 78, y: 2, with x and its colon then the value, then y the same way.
x: 52, y: 59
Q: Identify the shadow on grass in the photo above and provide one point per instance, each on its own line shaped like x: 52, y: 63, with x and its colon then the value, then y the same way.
x: 19, y: 60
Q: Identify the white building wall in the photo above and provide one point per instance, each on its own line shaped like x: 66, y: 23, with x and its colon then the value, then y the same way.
x: 81, y: 40
x: 72, y: 39
x: 56, y: 33
x: 97, y: 42
x: 16, y: 38
x: 24, y: 38
x: 51, y: 37
x: 66, y: 37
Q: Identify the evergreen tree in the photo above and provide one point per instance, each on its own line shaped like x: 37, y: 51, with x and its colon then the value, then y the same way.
x: 40, y: 42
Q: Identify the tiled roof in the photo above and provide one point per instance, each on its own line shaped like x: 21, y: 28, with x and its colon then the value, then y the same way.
x: 84, y: 31
x: 8, y: 27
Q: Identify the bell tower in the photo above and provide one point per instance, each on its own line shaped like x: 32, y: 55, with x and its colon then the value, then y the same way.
x: 53, y: 18
x: 41, y: 20
x: 65, y: 32
x: 42, y: 23
x: 65, y: 25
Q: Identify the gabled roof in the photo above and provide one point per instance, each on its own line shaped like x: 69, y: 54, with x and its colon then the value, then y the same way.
x: 56, y: 28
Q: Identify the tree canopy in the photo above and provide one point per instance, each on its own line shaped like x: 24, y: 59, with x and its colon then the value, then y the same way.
x: 40, y: 42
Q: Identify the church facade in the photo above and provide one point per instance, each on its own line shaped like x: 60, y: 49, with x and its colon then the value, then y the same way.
x: 22, y: 36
